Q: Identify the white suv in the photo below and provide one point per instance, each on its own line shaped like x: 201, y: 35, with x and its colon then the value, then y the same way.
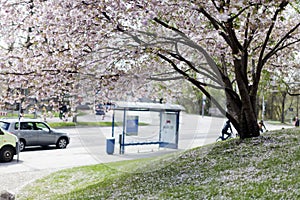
x: 35, y: 133
x: 8, y: 146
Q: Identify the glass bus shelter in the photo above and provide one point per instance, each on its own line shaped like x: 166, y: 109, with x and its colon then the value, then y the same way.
x: 141, y: 123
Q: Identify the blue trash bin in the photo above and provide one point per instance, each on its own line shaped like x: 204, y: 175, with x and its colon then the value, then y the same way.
x: 110, y: 145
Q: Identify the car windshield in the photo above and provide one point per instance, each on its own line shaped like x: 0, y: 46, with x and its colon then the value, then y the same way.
x: 4, y: 125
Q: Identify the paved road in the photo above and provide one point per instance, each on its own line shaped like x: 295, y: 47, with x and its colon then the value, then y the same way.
x: 88, y: 146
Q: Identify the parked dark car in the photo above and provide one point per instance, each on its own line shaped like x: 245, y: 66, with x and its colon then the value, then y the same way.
x: 35, y: 133
x: 100, y: 109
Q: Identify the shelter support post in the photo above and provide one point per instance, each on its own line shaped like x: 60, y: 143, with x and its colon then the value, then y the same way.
x: 113, y: 124
x: 123, y: 133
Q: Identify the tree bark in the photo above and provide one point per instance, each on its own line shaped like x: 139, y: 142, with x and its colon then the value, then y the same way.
x: 247, y: 118
x: 283, y: 107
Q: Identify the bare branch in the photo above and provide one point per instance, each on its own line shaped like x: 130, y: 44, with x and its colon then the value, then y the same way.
x: 283, y: 39
x: 169, y: 27
x: 274, y: 18
x: 166, y: 79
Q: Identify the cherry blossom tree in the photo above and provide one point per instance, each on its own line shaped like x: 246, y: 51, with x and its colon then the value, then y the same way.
x: 58, y: 46
x: 229, y: 43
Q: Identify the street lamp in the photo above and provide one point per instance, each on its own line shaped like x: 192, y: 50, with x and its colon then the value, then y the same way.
x: 19, y: 103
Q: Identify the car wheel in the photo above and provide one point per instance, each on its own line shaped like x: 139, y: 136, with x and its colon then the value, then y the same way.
x: 62, y: 143
x: 22, y: 145
x: 7, y: 154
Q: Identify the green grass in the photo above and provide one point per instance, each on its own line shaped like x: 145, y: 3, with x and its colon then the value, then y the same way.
x: 266, y: 167
x: 72, y: 124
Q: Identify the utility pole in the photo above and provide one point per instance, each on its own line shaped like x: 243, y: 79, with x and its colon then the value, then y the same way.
x: 203, y: 104
x: 263, y: 108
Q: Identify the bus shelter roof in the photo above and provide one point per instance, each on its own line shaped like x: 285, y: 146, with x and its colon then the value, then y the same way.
x: 145, y: 106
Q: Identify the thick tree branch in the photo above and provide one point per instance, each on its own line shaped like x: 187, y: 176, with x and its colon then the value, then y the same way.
x: 215, y: 24
x: 205, y: 72
x: 195, y: 82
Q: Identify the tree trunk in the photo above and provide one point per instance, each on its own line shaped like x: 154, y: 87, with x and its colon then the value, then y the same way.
x: 297, y: 112
x: 246, y: 124
x: 272, y: 116
x: 246, y: 121
x: 283, y: 107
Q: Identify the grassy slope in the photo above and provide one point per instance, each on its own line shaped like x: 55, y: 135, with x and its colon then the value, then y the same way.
x: 267, y: 167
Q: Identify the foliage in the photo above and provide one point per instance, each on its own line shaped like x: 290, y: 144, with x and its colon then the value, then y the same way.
x: 265, y: 167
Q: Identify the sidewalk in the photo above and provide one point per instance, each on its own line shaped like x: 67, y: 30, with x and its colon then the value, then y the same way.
x: 272, y: 126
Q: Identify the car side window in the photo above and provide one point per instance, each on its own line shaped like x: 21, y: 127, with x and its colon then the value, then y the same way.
x: 25, y: 126
x: 41, y: 126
